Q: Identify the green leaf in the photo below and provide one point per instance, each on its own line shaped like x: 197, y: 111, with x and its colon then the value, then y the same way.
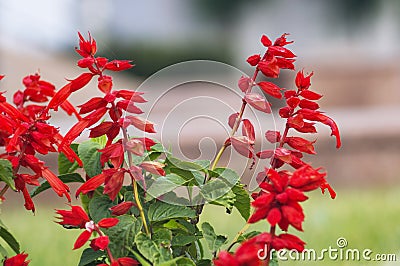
x: 218, y: 192
x: 274, y: 259
x: 160, y: 211
x: 139, y: 257
x: 123, y: 234
x: 6, y: 173
x: 9, y: 238
x: 248, y: 235
x: 89, y: 255
x: 230, y: 176
x: 180, y: 261
x: 99, y: 208
x: 242, y: 200
x: 102, y: 140
x: 181, y: 240
x: 162, y: 237
x: 190, y: 166
x: 64, y: 165
x: 90, y: 156
x: 147, y: 247
x: 213, y: 240
x: 192, y: 177
x: 65, y: 178
x: 165, y: 184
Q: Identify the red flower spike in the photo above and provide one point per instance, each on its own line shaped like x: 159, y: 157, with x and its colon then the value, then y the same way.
x: 248, y: 130
x: 266, y: 41
x: 118, y: 65
x: 100, y: 243
x: 113, y: 182
x: 19, y: 259
x: 244, y: 84
x: 318, y: 116
x: 141, y: 124
x: 243, y: 145
x: 134, y: 96
x: 153, y: 167
x: 122, y: 208
x: 308, y: 104
x: 258, y: 102
x: 82, y: 239
x: 265, y: 154
x: 269, y: 68
x: 108, y: 222
x: 281, y: 41
x: 296, y: 121
x: 273, y: 136
x: 135, y: 146
x: 301, y: 144
x: 113, y: 153
x: 281, y: 51
x: 86, y: 47
x: 60, y: 97
x: 254, y: 59
x: 310, y: 95
x: 91, y: 105
x: 271, y: 89
x: 76, y: 217
x: 105, y: 84
x: 91, y: 184
x: 81, y: 81
x: 73, y: 133
x: 58, y: 186
x: 232, y: 119
x: 303, y: 82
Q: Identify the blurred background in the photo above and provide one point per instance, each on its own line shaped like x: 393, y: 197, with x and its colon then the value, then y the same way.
x: 352, y: 46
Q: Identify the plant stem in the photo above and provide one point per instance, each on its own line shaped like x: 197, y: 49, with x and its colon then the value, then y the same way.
x: 272, y: 233
x: 134, y: 183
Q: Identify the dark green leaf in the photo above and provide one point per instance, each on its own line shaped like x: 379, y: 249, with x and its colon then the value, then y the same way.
x: 9, y: 238
x: 160, y: 211
x: 162, y: 237
x: 190, y: 166
x: 88, y: 152
x: 218, y: 192
x: 123, y: 234
x: 230, y: 176
x: 180, y: 240
x: 242, y: 200
x: 64, y: 165
x: 99, y: 208
x: 66, y: 178
x: 248, y: 235
x: 89, y: 255
x: 204, y: 263
x: 6, y: 173
x: 214, y: 241
x: 165, y: 184
x: 147, y: 247
x: 178, y: 262
x: 274, y: 260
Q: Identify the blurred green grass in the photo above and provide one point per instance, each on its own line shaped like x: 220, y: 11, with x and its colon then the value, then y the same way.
x: 367, y: 218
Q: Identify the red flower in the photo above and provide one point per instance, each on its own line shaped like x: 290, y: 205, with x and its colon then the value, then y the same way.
x: 258, y: 102
x: 254, y: 59
x: 77, y: 217
x: 139, y: 123
x: 125, y: 261
x: 86, y: 47
x: 153, y: 167
x: 122, y: 208
x: 17, y: 260
x: 271, y: 89
x: 113, y: 153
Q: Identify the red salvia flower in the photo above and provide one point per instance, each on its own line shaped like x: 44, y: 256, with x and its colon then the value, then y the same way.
x: 17, y: 260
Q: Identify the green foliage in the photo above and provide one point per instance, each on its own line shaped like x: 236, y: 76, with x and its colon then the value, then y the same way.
x: 90, y: 256
x: 123, y: 234
x: 8, y: 238
x: 214, y: 241
x: 161, y: 211
x: 99, y: 207
x: 65, y: 166
x: 90, y: 156
x: 6, y: 173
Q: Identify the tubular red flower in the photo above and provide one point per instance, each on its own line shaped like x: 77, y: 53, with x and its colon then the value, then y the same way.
x: 271, y: 89
x: 153, y: 167
x: 75, y: 217
x: 91, y: 184
x: 108, y: 222
x: 17, y: 260
x: 100, y: 243
x: 122, y: 208
x: 58, y: 186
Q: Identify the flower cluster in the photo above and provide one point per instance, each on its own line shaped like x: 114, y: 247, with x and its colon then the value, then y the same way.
x: 77, y: 218
x: 282, y: 191
x: 26, y: 132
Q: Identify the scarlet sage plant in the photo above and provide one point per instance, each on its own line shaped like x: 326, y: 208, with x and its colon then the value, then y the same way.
x: 124, y: 220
